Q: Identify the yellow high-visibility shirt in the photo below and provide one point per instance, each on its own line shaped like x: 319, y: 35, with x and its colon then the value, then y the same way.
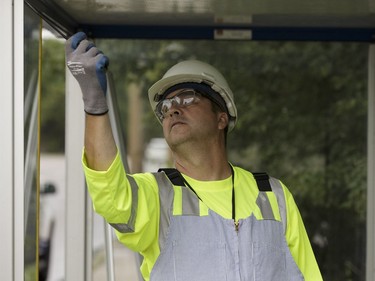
x: 111, y: 195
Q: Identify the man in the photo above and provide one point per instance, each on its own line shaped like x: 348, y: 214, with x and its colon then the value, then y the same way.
x: 206, y: 219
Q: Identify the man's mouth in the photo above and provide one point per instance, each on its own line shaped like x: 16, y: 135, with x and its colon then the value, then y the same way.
x: 175, y: 123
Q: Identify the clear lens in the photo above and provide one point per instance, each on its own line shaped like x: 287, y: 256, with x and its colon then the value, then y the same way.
x: 184, y: 98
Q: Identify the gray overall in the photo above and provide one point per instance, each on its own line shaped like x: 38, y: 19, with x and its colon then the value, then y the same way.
x: 208, y: 248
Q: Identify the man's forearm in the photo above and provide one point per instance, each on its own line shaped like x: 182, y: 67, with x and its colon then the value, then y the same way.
x: 100, y: 146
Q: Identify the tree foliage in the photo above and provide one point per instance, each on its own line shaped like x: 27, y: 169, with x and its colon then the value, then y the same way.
x: 302, y: 118
x: 53, y: 97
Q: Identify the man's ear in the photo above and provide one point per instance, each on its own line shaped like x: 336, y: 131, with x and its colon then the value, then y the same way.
x: 223, y: 120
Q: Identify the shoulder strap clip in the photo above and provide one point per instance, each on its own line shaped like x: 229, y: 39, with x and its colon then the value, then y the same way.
x: 174, y: 176
x: 263, y: 182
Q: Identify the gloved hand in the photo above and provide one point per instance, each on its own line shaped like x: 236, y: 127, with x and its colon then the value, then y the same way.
x: 88, y: 65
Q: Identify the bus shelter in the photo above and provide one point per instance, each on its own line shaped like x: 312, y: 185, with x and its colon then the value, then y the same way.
x: 232, y: 22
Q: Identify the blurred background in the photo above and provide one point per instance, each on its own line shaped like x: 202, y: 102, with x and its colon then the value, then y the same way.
x: 302, y: 118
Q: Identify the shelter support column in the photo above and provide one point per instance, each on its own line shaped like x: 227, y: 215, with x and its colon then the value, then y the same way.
x: 78, y: 221
x: 6, y: 142
x: 12, y: 140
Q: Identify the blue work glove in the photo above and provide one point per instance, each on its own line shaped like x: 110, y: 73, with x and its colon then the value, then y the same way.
x: 88, y: 65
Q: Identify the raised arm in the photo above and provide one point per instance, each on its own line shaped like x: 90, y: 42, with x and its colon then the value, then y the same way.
x: 88, y: 65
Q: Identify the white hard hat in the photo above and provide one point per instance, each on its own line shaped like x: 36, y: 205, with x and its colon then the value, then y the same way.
x: 194, y: 71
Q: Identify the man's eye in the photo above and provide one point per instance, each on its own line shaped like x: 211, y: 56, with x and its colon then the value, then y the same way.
x: 188, y: 100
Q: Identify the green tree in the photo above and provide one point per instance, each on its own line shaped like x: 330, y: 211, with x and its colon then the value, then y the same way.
x: 53, y: 97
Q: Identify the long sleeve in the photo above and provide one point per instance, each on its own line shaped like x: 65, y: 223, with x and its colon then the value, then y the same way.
x: 113, y: 198
x: 298, y: 241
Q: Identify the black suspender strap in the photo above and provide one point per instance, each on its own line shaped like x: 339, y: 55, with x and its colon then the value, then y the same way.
x: 177, y: 179
x: 174, y: 176
x: 263, y: 182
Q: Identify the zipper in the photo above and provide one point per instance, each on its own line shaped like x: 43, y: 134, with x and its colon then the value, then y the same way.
x: 236, y: 225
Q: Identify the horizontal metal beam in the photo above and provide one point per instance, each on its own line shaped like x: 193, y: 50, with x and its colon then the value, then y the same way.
x: 54, y: 15
x: 230, y: 33
x: 262, y: 27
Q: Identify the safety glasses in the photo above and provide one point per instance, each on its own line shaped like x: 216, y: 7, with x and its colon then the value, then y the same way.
x: 183, y: 99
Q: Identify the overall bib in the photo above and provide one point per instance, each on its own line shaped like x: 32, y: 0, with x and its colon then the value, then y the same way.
x: 209, y: 248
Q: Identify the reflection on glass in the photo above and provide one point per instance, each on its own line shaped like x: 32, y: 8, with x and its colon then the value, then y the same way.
x: 31, y: 56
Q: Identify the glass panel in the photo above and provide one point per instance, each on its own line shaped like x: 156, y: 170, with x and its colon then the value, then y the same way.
x: 52, y: 161
x: 302, y: 118
x: 31, y: 56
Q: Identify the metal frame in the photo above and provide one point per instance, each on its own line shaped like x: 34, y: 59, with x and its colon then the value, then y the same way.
x: 18, y: 82
x: 239, y: 32
x: 77, y: 259
x: 262, y: 27
x: 54, y: 16
x: 12, y: 142
x: 6, y: 143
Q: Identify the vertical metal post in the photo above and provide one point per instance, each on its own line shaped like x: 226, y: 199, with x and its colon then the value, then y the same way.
x: 119, y: 136
x: 109, y: 252
x: 76, y: 195
x: 370, y: 255
x: 89, y: 241
x: 18, y: 139
x: 7, y: 256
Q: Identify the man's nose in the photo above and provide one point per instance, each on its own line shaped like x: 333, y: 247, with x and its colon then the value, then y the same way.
x: 174, y: 110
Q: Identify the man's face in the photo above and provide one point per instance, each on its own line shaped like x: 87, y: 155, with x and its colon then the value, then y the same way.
x: 194, y: 121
